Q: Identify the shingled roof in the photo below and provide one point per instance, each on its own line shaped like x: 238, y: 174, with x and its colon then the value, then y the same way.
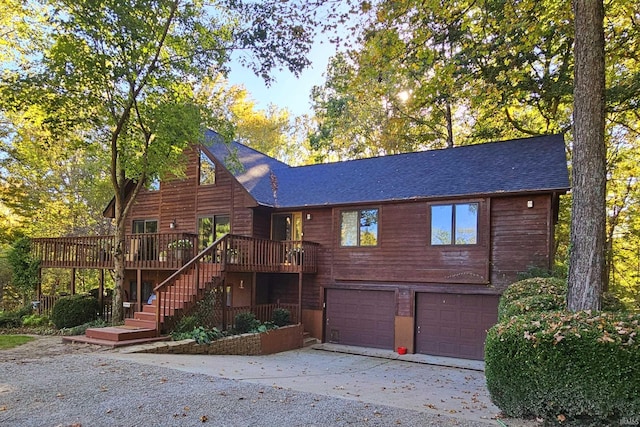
x: 526, y: 165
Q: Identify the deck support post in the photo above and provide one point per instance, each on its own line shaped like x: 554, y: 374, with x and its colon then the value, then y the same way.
x: 139, y: 288
x: 300, y: 297
x: 73, y: 281
x: 39, y: 291
x: 254, y: 286
x: 101, y: 291
x: 224, y: 303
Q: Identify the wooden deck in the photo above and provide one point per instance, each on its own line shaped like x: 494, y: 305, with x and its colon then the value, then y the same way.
x: 171, y: 251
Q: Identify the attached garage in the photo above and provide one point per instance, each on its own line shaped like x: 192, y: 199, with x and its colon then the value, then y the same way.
x: 454, y: 325
x: 360, y: 317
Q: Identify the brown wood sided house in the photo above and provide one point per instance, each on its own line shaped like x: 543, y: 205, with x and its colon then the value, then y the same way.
x: 407, y: 250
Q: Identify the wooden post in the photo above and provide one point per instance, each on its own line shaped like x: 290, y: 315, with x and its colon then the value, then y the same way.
x: 73, y: 281
x: 254, y: 289
x: 101, y: 291
x: 139, y: 288
x: 300, y: 297
x: 224, y: 303
x: 39, y: 291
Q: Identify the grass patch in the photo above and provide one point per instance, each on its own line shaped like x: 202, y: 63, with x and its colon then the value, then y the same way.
x: 10, y: 341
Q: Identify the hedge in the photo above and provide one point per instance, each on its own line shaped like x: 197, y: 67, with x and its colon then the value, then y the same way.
x: 568, y: 368
x: 532, y: 295
x: 74, y: 311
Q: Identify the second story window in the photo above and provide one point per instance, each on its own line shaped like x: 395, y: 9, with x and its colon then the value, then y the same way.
x: 454, y: 224
x: 153, y: 184
x: 207, y: 170
x: 359, y: 228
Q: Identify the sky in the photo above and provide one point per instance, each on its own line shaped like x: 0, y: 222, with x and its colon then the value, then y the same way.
x: 287, y: 91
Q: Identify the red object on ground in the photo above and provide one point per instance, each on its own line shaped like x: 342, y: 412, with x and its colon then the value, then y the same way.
x: 402, y: 350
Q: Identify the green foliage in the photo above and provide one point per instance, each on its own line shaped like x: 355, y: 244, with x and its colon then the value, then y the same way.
x: 245, y: 322
x: 25, y: 266
x: 74, y: 310
x: 81, y: 329
x: 200, y: 334
x: 539, y: 294
x: 35, y: 320
x: 610, y: 302
x: 583, y: 368
x: 186, y: 324
x: 281, y: 317
x: 10, y: 341
x: 13, y: 318
x: 532, y: 295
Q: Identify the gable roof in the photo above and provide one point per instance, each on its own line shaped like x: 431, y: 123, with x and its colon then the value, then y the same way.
x: 516, y: 166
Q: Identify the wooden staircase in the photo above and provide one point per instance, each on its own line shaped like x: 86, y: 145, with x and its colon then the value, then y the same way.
x: 177, y: 295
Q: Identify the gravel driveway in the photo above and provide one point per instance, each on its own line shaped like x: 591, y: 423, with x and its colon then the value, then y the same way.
x: 47, y: 383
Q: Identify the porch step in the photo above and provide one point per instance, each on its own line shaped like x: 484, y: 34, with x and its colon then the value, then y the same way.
x: 143, y: 315
x: 308, y: 340
x: 107, y: 343
x: 139, y: 323
x: 121, y: 333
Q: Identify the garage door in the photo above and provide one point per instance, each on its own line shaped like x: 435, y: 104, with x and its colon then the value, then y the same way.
x: 361, y: 318
x: 454, y: 325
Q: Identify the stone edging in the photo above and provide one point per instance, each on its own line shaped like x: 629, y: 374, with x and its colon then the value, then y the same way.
x: 269, y: 342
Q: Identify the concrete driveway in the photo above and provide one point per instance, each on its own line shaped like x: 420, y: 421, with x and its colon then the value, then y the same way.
x: 376, y: 378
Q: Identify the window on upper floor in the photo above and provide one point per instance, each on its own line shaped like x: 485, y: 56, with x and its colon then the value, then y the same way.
x: 454, y: 224
x: 153, y: 184
x: 359, y: 227
x: 207, y: 170
x: 211, y: 228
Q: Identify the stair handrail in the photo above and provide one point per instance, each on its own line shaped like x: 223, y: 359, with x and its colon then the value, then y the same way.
x: 173, y: 277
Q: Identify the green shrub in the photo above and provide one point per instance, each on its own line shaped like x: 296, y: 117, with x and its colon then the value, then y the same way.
x: 81, y: 329
x: 281, y: 317
x: 186, y: 324
x: 534, y: 294
x: 200, y: 334
x: 610, y: 302
x: 74, y: 311
x: 33, y: 320
x: 246, y: 322
x: 13, y: 318
x: 570, y: 368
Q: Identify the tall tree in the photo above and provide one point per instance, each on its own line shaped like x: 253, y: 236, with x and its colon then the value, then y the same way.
x: 122, y: 74
x: 271, y: 131
x: 587, y: 257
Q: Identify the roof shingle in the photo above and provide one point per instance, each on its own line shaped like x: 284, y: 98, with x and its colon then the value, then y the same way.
x: 514, y: 166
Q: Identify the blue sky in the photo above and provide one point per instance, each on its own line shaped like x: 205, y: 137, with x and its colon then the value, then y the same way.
x: 287, y: 91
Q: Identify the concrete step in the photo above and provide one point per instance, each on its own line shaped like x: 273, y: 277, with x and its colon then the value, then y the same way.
x: 121, y: 333
x: 308, y: 340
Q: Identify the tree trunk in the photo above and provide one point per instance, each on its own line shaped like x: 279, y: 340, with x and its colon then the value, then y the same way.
x: 117, y: 312
x: 449, y: 124
x: 587, y: 258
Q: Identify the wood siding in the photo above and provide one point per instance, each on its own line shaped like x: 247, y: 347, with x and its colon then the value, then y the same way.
x: 404, y: 252
x: 184, y: 201
x: 521, y: 237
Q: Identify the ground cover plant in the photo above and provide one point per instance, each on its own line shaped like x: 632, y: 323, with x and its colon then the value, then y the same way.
x: 10, y: 341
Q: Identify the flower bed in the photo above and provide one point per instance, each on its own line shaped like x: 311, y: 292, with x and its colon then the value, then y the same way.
x: 269, y: 342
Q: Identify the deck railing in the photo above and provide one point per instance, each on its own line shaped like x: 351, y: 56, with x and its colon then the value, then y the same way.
x: 171, y: 251
x: 149, y: 251
x: 229, y: 253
